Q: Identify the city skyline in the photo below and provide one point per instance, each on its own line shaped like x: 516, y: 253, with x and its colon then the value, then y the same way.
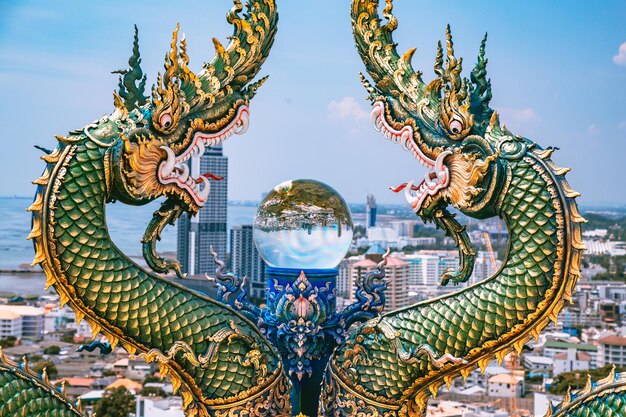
x: 557, y: 84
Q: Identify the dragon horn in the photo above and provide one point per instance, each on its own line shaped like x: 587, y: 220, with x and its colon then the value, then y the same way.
x: 132, y: 80
x: 392, y: 74
x: 238, y: 63
x: 481, y: 92
x: 452, y: 74
x: 171, y: 59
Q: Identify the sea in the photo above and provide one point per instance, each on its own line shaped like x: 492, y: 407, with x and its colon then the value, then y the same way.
x: 126, y: 227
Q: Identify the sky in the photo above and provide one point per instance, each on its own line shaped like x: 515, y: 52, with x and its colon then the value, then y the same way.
x: 558, y: 72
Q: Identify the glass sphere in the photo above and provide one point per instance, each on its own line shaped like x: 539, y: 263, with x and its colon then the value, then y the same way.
x: 303, y: 224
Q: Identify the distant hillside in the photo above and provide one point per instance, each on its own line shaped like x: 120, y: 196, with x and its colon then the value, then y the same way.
x: 616, y: 226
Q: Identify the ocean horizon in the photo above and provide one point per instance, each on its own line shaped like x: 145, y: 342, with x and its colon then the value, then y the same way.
x: 126, y: 226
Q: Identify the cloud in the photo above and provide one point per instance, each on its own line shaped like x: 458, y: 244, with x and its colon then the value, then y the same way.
x: 593, y: 130
x: 346, y: 109
x: 518, y: 117
x: 622, y: 124
x: 620, y: 58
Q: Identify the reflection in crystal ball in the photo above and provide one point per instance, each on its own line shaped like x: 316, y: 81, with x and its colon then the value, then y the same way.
x: 303, y: 224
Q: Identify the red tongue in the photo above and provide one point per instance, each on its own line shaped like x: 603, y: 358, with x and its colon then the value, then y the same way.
x: 402, y: 187
x: 209, y: 176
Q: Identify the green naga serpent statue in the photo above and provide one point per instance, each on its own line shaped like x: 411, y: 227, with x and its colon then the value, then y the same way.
x: 215, y: 357
x: 23, y: 393
x: 392, y: 364
x: 214, y: 352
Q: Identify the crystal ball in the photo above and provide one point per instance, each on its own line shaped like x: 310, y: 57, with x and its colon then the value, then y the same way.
x: 303, y: 224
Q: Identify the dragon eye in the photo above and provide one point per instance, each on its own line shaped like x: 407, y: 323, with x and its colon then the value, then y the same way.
x: 455, y: 127
x: 166, y: 120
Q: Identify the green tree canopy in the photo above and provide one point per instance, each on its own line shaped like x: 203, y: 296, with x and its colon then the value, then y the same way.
x: 151, y: 378
x: 52, y: 350
x: 577, y: 379
x: 50, y: 367
x: 116, y: 402
x: 153, y: 392
x: 8, y: 342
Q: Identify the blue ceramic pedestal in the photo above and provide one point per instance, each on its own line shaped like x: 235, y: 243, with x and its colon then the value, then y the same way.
x: 301, y: 321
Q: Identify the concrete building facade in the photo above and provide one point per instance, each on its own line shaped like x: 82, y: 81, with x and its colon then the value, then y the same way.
x: 21, y: 321
x: 571, y: 361
x: 246, y: 261
x: 505, y: 386
x: 612, y: 351
x: 397, y: 273
x: 196, y: 234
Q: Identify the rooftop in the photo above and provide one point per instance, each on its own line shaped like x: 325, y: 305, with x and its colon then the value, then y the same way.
x: 129, y: 384
x: 555, y: 344
x: 76, y: 382
x: 8, y: 315
x: 22, y: 310
x: 392, y: 262
x: 473, y: 390
x: 504, y: 379
x: 92, y: 395
x: 121, y: 362
x: 542, y: 360
x: 613, y: 340
x: 580, y: 356
x: 496, y: 369
x: 365, y: 263
x: 21, y: 350
x: 376, y: 249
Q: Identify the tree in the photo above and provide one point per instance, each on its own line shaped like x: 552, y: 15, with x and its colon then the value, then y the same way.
x: 116, y: 402
x: 577, y: 379
x: 151, y: 378
x: 52, y: 350
x: 50, y: 367
x: 67, y: 338
x: 153, y: 392
x: 8, y: 342
x: 34, y: 358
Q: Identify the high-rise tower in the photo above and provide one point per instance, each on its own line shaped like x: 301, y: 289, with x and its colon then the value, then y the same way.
x: 370, y: 212
x: 208, y: 227
x: 246, y: 261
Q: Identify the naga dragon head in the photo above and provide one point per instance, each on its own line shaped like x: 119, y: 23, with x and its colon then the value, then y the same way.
x: 187, y: 113
x: 446, y: 124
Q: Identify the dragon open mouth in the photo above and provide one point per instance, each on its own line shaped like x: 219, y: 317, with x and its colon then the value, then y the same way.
x: 435, y: 180
x: 175, y: 169
x: 438, y: 175
x: 403, y: 136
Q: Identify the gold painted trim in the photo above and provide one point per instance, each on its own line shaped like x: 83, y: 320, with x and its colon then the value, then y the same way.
x: 108, y: 172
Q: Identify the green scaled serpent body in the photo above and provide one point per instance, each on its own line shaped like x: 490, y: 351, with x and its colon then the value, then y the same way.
x: 391, y: 365
x: 26, y: 394
x: 215, y: 357
x: 604, y: 398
